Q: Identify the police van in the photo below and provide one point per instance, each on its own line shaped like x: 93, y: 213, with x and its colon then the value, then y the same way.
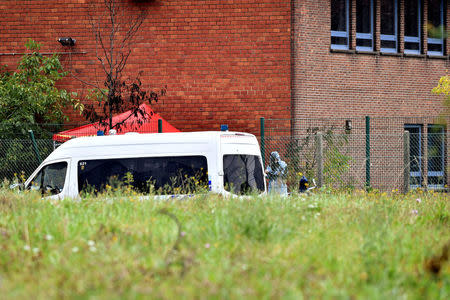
x: 162, y: 163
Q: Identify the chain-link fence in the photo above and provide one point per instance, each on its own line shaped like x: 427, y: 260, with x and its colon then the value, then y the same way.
x: 19, y: 158
x: 398, y: 153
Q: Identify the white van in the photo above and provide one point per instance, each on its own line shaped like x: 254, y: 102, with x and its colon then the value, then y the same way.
x: 221, y: 161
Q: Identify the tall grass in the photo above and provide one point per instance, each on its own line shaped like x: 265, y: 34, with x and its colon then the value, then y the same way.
x: 324, y: 245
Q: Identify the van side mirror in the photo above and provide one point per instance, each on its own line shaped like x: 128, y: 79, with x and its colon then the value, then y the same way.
x: 17, y: 186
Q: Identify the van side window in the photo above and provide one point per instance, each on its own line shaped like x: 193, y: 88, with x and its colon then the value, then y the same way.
x: 161, y: 175
x: 50, y: 179
x: 242, y: 174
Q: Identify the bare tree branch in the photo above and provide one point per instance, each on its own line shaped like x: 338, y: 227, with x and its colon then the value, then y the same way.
x: 87, y: 83
x: 123, y: 62
x: 115, y: 28
x: 119, y: 124
x: 96, y: 28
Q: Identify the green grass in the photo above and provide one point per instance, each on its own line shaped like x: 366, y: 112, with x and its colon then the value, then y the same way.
x: 320, y: 246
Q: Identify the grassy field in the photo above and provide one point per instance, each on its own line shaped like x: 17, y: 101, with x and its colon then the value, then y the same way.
x: 348, y: 245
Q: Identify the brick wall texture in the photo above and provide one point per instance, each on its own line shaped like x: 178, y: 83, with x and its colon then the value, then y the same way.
x: 223, y: 61
x: 348, y: 84
x: 233, y: 61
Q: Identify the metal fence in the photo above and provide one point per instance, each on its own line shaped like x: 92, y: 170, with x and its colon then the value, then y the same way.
x: 18, y: 157
x: 395, y: 153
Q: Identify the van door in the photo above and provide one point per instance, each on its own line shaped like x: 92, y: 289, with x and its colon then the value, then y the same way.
x: 51, y: 179
x: 243, y: 173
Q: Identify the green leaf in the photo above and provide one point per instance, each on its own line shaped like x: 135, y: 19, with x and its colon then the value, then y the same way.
x: 29, y: 95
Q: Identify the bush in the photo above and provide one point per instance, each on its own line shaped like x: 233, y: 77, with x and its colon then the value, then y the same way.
x: 29, y: 97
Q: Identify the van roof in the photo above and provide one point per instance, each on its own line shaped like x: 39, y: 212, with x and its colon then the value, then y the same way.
x: 136, y: 138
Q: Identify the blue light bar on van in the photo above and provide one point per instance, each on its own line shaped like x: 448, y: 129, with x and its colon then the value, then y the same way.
x: 224, y: 127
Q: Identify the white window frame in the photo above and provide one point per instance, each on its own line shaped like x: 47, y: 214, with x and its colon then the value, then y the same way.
x: 390, y: 37
x: 436, y: 41
x: 367, y: 36
x: 416, y: 174
x: 442, y: 161
x: 343, y: 34
x: 415, y: 39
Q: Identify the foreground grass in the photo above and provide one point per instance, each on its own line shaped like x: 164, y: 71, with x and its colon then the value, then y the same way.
x: 320, y: 246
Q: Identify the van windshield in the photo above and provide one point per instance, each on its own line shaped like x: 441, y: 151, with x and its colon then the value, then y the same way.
x: 50, y: 179
x: 160, y: 175
x: 242, y: 174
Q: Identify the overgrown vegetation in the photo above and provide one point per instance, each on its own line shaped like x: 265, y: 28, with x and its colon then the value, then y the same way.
x: 177, y: 185
x: 17, y: 156
x: 29, y: 96
x: 443, y: 88
x: 348, y: 245
x: 301, y: 156
x: 30, y: 100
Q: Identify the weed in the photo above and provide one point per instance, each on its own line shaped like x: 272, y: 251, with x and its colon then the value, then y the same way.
x: 326, y: 245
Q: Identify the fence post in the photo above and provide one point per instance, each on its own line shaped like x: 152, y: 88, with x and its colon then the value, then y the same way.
x: 319, y: 158
x: 160, y: 129
x: 35, y: 147
x: 263, y: 142
x: 367, y: 152
x: 406, y: 161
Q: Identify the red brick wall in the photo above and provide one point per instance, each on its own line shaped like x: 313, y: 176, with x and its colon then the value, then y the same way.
x: 355, y: 84
x: 221, y: 60
x: 348, y: 84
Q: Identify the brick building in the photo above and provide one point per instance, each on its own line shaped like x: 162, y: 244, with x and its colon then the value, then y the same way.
x: 219, y: 59
x: 358, y: 61
x: 234, y: 61
x: 380, y: 59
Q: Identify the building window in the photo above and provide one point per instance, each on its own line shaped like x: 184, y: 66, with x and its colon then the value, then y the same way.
x: 435, y: 165
x: 389, y: 26
x: 436, y: 156
x: 415, y: 155
x: 364, y: 25
x: 412, y: 26
x: 390, y: 30
x: 435, y: 27
x: 339, y: 24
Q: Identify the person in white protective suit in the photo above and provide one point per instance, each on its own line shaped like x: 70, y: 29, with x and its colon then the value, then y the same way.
x: 276, y: 174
